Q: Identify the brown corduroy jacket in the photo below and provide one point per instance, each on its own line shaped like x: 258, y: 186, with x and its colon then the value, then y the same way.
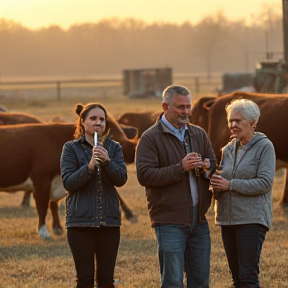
x: 159, y: 168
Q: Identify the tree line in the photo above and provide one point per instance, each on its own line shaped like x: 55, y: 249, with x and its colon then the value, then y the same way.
x: 214, y: 45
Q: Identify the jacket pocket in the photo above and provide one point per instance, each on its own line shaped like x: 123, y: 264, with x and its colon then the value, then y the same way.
x: 112, y: 207
x: 156, y: 198
x: 83, y: 206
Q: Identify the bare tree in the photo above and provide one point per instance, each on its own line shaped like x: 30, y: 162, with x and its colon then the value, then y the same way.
x: 210, y: 37
x: 111, y: 45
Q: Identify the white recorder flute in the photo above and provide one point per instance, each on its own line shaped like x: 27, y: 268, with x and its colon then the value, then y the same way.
x: 95, y: 138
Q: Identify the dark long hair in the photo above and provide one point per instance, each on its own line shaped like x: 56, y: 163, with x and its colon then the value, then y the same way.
x: 82, y: 111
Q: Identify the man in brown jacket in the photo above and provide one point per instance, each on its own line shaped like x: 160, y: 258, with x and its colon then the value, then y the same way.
x: 174, y: 161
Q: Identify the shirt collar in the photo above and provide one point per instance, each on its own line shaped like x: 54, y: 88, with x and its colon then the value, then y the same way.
x: 179, y: 133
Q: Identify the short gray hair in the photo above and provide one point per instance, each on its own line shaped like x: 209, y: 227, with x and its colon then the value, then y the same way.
x: 172, y: 90
x: 247, y: 108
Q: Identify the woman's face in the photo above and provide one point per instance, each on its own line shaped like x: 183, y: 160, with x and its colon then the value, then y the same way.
x: 240, y: 127
x: 95, y: 121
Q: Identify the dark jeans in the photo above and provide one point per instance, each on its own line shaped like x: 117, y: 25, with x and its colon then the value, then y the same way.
x: 243, y: 245
x: 184, y: 247
x: 86, y: 243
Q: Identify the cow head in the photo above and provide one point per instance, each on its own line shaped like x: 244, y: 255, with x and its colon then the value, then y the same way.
x: 199, y: 113
x: 128, y: 145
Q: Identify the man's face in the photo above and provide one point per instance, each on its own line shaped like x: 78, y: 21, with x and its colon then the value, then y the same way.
x: 177, y: 113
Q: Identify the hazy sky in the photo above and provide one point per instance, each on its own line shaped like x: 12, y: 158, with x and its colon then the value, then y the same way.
x: 38, y: 13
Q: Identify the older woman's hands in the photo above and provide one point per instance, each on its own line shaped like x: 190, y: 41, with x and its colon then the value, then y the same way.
x: 219, y: 183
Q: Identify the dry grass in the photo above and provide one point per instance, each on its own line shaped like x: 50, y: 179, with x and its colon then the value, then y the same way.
x: 27, y: 261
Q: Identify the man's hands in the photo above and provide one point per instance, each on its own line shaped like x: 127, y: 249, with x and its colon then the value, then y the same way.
x: 194, y: 160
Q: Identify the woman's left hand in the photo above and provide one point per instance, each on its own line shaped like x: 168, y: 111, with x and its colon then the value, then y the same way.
x: 219, y: 183
x: 101, y: 153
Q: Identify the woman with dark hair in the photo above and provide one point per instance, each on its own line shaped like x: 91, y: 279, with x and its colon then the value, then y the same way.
x: 90, y: 171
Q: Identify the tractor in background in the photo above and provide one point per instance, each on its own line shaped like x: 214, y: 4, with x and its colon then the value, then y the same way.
x: 271, y: 76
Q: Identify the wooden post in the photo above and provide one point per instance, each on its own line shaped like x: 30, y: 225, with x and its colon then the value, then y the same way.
x: 59, y: 91
x: 196, y: 85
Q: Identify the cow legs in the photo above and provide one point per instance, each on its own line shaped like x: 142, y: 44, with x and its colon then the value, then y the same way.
x: 42, y: 197
x: 26, y: 198
x: 129, y: 214
x: 58, y: 230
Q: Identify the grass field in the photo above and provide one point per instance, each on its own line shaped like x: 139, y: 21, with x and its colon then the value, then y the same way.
x: 27, y: 261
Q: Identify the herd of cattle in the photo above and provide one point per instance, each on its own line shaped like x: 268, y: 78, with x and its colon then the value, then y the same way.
x: 31, y: 153
x: 30, y: 150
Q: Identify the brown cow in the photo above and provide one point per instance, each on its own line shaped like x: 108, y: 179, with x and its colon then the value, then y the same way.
x: 128, y: 145
x: 33, y: 150
x: 57, y: 191
x: 11, y: 118
x: 130, y: 131
x: 142, y: 120
x: 2, y: 109
x: 15, y: 118
x: 210, y: 114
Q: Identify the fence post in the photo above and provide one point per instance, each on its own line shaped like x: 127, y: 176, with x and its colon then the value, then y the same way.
x: 59, y: 91
x: 196, y: 85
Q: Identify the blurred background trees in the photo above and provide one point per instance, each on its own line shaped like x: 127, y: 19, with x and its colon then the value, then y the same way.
x: 214, y: 45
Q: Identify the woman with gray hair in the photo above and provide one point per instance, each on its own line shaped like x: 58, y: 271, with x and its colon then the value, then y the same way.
x: 243, y: 192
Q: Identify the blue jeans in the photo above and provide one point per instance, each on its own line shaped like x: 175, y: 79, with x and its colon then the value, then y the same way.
x: 182, y: 248
x: 243, y: 245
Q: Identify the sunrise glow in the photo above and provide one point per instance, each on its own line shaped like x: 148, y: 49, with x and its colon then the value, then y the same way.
x: 42, y: 13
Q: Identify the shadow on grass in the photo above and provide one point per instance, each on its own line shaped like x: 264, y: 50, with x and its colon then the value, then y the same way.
x: 18, y: 212
x: 48, y: 250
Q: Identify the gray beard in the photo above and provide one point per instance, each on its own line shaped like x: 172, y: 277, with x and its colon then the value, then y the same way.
x: 183, y: 120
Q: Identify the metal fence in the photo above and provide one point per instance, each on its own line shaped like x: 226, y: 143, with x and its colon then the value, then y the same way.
x: 199, y: 85
x: 99, y: 87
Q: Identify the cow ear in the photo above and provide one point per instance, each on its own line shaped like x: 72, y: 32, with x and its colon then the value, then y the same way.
x: 209, y: 103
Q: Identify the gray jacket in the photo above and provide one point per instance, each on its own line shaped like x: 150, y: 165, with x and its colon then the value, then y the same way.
x: 86, y: 204
x: 251, y: 178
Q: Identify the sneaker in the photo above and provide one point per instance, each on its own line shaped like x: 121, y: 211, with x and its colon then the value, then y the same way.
x: 118, y: 284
